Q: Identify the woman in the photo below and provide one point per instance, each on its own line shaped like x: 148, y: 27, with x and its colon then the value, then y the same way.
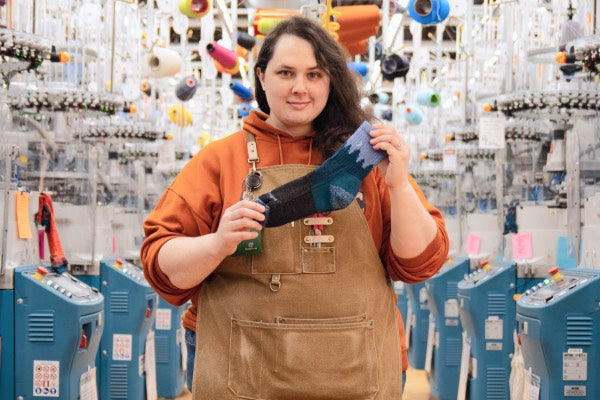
x: 313, y: 316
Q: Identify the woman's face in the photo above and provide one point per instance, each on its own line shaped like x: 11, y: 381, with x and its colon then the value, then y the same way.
x: 295, y: 86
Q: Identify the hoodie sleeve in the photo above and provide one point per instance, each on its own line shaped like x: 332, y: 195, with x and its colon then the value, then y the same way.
x: 189, y: 207
x: 424, y: 265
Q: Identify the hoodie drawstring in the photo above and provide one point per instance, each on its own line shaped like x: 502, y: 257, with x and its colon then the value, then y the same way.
x: 281, y: 150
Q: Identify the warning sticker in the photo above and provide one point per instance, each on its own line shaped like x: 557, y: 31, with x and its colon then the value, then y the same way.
x: 46, y: 378
x: 574, y: 366
x: 163, y: 319
x: 493, y: 328
x: 493, y: 346
x: 575, y: 391
x: 451, y: 308
x: 87, y: 385
x: 121, y: 347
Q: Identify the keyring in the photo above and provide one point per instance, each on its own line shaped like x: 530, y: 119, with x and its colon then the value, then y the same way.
x: 254, y: 180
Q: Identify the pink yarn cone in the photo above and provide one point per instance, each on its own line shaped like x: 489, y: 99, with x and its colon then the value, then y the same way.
x: 225, y: 57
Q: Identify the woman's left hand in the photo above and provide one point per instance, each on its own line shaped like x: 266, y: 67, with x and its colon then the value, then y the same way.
x: 395, y: 167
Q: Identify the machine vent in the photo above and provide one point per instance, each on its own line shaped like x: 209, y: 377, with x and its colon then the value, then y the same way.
x: 579, y: 331
x: 40, y: 327
x: 453, y: 351
x: 497, y: 384
x: 496, y: 304
x: 118, y: 381
x: 161, y: 349
x: 119, y: 302
x: 452, y: 290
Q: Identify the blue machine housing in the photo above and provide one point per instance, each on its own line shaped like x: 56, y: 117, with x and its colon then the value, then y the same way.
x: 559, y: 327
x: 57, y: 329
x: 400, y: 289
x: 487, y: 315
x: 7, y: 341
x: 130, y: 312
x: 442, y: 289
x: 170, y: 376
x: 418, y: 318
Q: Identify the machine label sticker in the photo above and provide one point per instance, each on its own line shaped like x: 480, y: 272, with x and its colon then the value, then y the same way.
x: 532, y: 386
x: 122, y: 347
x: 87, y: 385
x: 491, y: 133
x: 150, y: 367
x: 46, y: 378
x: 423, y: 299
x: 575, y: 366
x: 493, y: 346
x: 493, y: 328
x: 451, y: 322
x: 464, y: 367
x: 451, y: 308
x: 575, y: 391
x: 163, y: 319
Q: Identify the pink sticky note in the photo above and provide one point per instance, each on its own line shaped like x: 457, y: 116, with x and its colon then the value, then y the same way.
x: 473, y: 244
x: 114, y: 244
x: 521, y: 246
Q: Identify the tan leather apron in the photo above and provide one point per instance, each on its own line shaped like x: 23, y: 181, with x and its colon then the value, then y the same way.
x: 299, y: 321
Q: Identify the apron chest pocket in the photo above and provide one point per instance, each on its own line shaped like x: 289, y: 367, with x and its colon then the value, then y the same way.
x: 303, y: 359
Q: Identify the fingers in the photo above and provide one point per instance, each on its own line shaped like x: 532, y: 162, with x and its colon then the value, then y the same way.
x: 386, y: 138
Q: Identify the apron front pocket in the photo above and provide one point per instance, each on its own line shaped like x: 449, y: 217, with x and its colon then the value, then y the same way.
x: 303, y: 359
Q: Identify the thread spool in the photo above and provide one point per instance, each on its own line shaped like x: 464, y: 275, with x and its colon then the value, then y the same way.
x: 246, y: 40
x: 194, y: 8
x: 412, y: 114
x: 244, y: 110
x: 225, y: 57
x: 379, y: 97
x: 429, y: 12
x: 186, y: 88
x: 394, y: 66
x: 146, y: 88
x: 361, y: 68
x: 161, y: 63
x: 240, y: 90
x: 428, y: 97
x: 387, y: 114
x: 180, y: 115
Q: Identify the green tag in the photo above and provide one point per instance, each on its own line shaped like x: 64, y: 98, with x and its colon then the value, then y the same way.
x: 251, y: 246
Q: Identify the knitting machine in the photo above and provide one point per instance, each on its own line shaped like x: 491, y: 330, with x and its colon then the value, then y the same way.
x: 558, y: 323
x: 51, y: 318
x: 487, y: 315
x: 417, y: 322
x: 170, y: 356
x: 126, y: 361
x: 444, y: 341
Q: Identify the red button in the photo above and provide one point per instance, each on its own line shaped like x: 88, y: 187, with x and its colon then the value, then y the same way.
x: 484, y: 262
x: 119, y: 261
x: 553, y: 270
x: 41, y: 270
x: 148, y: 312
x: 83, y: 342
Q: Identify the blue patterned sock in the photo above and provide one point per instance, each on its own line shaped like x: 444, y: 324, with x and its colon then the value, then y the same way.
x: 332, y: 186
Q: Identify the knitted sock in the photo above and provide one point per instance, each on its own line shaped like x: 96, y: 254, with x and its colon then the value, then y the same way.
x: 332, y: 186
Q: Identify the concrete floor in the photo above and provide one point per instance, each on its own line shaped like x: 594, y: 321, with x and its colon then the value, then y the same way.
x: 417, y: 386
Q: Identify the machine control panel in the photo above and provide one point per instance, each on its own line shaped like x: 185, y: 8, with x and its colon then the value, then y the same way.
x: 65, y: 284
x: 554, y: 287
x: 131, y: 270
x: 486, y: 270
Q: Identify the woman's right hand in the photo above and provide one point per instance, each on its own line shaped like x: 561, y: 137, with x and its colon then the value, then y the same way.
x: 235, y: 225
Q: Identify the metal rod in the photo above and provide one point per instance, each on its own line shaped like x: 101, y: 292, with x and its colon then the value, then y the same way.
x: 112, y: 46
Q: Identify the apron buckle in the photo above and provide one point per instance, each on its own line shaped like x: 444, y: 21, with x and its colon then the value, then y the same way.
x: 275, y: 283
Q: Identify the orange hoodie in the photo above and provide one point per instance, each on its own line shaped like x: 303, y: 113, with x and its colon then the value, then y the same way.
x: 212, y: 181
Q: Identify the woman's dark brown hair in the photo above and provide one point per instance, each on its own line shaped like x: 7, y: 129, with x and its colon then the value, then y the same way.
x: 342, y: 113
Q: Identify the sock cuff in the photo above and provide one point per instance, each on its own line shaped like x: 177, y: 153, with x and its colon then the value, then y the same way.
x: 360, y: 141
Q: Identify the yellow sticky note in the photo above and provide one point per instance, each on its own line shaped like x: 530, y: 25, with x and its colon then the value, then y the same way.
x: 22, y: 205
